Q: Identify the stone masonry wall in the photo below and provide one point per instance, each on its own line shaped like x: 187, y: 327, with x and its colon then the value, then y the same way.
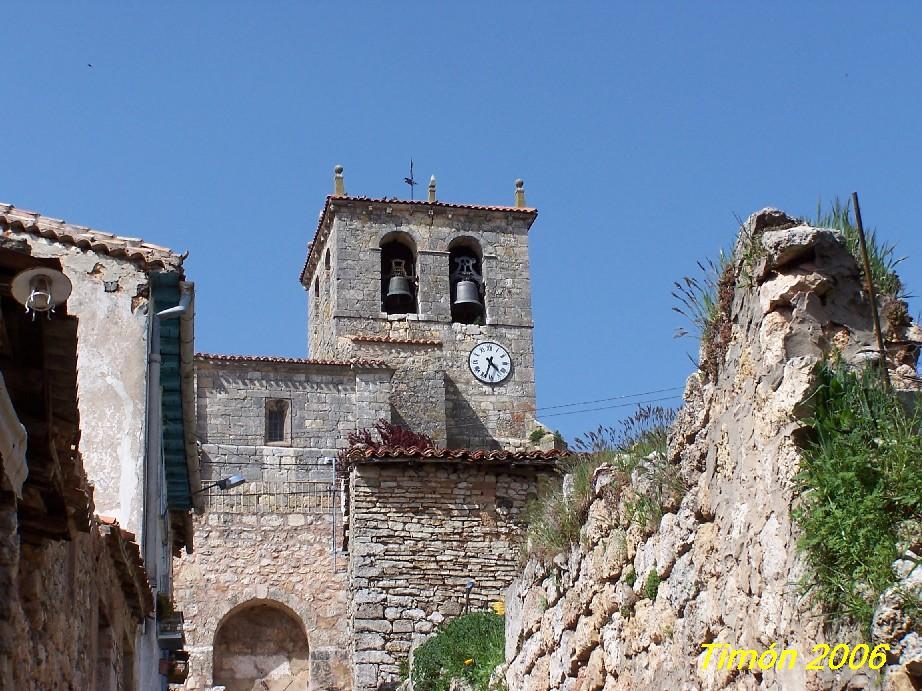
x: 269, y: 541
x: 53, y: 597
x: 726, y: 553
x: 417, y: 533
x: 325, y: 402
x: 468, y: 413
x: 276, y: 557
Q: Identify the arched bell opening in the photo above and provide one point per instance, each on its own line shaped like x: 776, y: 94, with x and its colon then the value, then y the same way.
x: 261, y: 644
x: 468, y: 297
x: 398, y: 274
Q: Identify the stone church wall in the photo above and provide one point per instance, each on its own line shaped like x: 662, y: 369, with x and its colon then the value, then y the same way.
x: 418, y: 532
x: 325, y: 402
x: 433, y: 390
x: 268, y: 542
x: 276, y: 556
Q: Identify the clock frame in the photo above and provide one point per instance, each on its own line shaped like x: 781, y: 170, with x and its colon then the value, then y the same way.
x: 481, y: 362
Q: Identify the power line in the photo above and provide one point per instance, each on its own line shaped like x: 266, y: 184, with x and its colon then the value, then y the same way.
x: 610, y: 407
x: 492, y: 416
x: 613, y: 398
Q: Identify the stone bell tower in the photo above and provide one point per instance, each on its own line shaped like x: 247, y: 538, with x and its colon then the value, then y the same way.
x: 441, y: 293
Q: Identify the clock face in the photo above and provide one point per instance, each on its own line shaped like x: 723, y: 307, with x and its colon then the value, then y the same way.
x: 490, y: 362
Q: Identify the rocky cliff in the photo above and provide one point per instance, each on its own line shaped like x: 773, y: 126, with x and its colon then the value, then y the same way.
x: 724, y: 555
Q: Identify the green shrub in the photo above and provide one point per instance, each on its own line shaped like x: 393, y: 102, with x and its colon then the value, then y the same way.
x: 636, y: 448
x: 630, y: 577
x: 479, y: 637
x: 706, y: 303
x: 881, y: 256
x: 555, y: 517
x: 860, y: 479
x: 651, y: 585
x: 536, y: 435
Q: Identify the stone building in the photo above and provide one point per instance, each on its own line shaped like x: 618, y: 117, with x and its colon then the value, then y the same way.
x: 269, y: 544
x: 99, y: 459
x: 419, y: 314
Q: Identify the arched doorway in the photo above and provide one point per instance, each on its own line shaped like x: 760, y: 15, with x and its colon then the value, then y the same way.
x: 260, y: 646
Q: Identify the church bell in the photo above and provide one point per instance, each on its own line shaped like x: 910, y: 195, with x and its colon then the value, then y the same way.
x: 467, y: 300
x: 399, y: 294
x: 467, y: 305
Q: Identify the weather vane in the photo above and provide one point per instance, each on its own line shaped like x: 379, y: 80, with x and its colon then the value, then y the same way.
x: 411, y: 181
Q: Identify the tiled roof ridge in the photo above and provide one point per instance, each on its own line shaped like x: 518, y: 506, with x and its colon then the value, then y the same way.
x: 357, y: 362
x: 424, y: 202
x: 150, y: 256
x: 526, y: 211
x: 359, y: 453
x: 375, y: 338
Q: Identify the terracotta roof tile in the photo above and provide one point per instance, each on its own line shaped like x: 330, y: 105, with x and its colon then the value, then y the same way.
x: 129, y: 565
x: 355, y: 362
x: 383, y: 454
x: 149, y: 256
x: 320, y: 235
x: 371, y: 338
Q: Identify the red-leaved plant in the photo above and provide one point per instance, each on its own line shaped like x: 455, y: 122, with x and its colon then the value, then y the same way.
x: 389, y: 435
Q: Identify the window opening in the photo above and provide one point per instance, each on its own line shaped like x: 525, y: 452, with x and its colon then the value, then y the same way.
x: 276, y: 419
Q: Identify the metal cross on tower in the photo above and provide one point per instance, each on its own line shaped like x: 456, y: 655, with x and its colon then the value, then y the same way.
x: 411, y: 181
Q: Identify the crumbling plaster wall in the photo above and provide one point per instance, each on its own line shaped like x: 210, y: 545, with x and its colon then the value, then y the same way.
x: 726, y: 554
x: 110, y: 299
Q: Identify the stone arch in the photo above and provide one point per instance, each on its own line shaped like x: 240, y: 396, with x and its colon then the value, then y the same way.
x: 399, y: 260
x: 261, y: 642
x: 465, y: 248
x: 236, y: 601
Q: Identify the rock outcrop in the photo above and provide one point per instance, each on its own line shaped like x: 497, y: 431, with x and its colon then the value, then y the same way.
x: 725, y: 559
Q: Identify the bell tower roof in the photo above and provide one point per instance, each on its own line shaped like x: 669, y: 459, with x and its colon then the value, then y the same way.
x: 342, y: 200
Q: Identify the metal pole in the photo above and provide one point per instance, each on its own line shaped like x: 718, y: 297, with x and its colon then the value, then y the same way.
x: 884, y: 373
x: 333, y: 512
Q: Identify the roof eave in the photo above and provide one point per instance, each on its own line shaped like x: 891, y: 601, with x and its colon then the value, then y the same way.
x: 149, y: 257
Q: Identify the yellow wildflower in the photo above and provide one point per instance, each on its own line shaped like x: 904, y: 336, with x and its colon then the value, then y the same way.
x: 469, y: 661
x: 499, y: 607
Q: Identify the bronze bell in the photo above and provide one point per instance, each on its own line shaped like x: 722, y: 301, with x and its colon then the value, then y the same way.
x: 467, y: 305
x: 399, y: 294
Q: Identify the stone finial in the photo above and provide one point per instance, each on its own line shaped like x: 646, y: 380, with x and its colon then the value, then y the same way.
x: 339, y: 185
x: 520, y: 194
x: 432, y: 189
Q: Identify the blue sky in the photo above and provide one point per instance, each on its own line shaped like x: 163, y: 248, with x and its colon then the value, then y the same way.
x: 641, y: 131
